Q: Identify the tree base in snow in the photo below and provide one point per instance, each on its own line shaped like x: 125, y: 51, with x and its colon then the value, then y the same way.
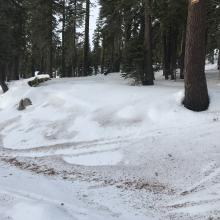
x: 195, y: 105
x: 4, y: 87
x: 148, y: 83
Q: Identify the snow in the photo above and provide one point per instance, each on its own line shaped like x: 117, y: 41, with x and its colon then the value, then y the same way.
x: 97, y: 159
x: 24, y: 196
x: 109, y: 150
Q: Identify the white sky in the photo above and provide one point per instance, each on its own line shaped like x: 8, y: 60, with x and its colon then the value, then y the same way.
x: 93, y: 18
x: 94, y: 13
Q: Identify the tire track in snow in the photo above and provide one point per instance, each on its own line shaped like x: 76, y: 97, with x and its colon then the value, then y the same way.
x: 59, y: 149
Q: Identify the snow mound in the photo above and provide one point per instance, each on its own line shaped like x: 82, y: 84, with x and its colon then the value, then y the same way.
x: 103, y: 129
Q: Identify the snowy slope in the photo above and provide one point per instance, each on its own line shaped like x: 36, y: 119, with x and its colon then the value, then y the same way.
x: 109, y: 150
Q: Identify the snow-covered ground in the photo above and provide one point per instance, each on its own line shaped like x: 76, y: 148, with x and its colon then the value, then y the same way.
x: 99, y: 148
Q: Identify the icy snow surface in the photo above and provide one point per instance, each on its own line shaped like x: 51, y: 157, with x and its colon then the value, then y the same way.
x: 99, y: 148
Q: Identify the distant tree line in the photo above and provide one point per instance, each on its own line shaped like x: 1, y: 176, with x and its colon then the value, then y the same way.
x: 136, y: 37
x: 159, y: 25
x: 44, y: 36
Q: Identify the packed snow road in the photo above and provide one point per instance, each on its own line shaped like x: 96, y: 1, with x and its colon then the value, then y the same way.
x: 100, y: 148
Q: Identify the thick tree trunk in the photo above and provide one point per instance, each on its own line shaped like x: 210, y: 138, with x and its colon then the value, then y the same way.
x: 196, y: 92
x: 148, y: 63
x: 116, y: 58
x: 128, y: 34
x: 86, y: 40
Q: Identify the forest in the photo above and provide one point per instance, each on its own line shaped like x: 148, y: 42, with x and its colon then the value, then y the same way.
x: 109, y: 109
x: 136, y: 37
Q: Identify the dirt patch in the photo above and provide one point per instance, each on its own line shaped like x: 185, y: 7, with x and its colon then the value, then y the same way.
x: 154, y: 187
x: 30, y: 166
x: 134, y: 184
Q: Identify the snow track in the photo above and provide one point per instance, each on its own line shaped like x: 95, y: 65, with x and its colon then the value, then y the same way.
x: 122, y: 152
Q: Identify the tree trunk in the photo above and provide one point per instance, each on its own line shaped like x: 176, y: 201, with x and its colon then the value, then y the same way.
x: 148, y: 63
x: 50, y: 58
x: 63, y: 39
x: 196, y: 91
x: 86, y: 40
x: 219, y: 59
x: 173, y: 58
x: 182, y: 56
x: 166, y: 53
x: 32, y: 66
x: 103, y: 57
x: 42, y: 64
x: 74, y: 56
x: 12, y: 69
x: 16, y: 68
x: 3, y: 78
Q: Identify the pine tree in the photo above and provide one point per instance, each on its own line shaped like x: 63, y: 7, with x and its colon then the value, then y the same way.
x: 148, y: 63
x: 97, y: 51
x: 40, y: 32
x: 86, y: 41
x: 63, y: 65
x: 196, y: 92
x: 11, y: 40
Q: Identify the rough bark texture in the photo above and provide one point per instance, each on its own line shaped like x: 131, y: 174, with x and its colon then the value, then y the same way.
x: 50, y: 52
x: 116, y: 62
x: 74, y: 55
x: 63, y: 39
x: 86, y: 41
x: 196, y: 92
x: 148, y: 64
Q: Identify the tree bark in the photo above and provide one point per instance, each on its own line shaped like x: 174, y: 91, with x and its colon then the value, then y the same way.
x: 3, y: 78
x: 103, y: 57
x: 182, y: 56
x: 86, y: 40
x: 166, y: 56
x: 16, y: 67
x: 50, y: 49
x: 173, y: 58
x: 32, y: 66
x: 148, y: 63
x: 74, y: 55
x: 219, y: 59
x: 196, y: 91
x: 63, y: 39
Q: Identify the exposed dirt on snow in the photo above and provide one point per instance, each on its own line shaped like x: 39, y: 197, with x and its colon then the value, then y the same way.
x: 131, y: 152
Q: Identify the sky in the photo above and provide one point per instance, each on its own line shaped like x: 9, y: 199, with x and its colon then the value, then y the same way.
x: 93, y: 18
x: 94, y: 14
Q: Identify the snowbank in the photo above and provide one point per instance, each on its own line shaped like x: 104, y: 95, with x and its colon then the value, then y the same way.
x: 106, y: 129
